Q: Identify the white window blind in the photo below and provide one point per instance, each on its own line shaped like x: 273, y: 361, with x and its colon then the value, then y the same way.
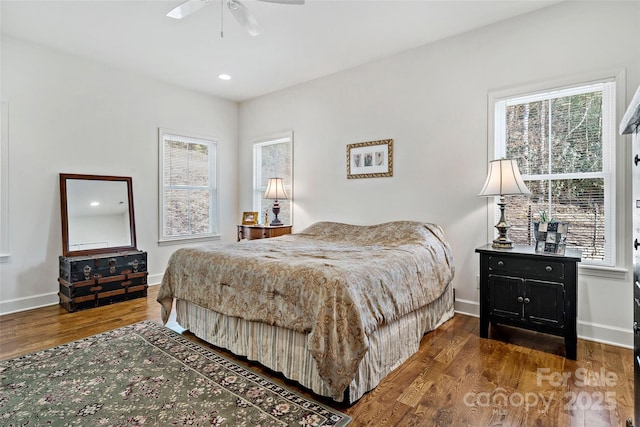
x: 188, y: 186
x: 563, y: 142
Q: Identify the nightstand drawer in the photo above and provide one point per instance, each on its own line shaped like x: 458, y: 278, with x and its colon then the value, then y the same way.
x: 252, y: 232
x: 527, y: 267
x: 257, y: 233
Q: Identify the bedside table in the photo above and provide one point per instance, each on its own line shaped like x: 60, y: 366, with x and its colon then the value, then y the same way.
x: 252, y: 232
x: 520, y: 287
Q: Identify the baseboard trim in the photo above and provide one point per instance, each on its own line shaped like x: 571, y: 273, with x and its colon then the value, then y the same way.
x: 28, y: 303
x: 612, y: 335
x: 154, y: 279
x: 619, y: 337
x: 470, y: 308
x: 45, y: 300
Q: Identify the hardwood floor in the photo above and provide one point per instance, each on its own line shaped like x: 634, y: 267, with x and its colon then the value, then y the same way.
x: 517, y: 378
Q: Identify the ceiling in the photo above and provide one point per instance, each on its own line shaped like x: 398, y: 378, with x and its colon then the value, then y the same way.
x: 299, y: 43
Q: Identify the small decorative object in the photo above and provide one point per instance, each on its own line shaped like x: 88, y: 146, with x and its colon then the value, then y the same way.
x: 551, y: 235
x: 371, y: 159
x: 249, y: 218
x: 275, y: 191
x: 503, y: 179
x: 266, y: 216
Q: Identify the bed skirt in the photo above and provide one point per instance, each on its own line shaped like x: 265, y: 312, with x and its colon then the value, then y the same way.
x: 283, y: 350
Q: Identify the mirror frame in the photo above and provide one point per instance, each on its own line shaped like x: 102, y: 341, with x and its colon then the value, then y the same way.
x: 65, y: 217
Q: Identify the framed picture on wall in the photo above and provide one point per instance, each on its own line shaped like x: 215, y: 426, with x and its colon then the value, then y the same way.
x: 370, y: 159
x: 249, y: 218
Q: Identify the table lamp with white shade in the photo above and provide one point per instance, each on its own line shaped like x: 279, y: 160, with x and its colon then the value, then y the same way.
x: 275, y: 190
x: 503, y: 179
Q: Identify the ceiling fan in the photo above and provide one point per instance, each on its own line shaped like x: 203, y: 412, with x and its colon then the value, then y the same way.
x: 238, y: 10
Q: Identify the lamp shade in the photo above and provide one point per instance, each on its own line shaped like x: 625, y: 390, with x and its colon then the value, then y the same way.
x: 504, y: 179
x: 275, y: 189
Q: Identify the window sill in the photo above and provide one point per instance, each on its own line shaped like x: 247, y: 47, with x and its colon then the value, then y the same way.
x: 606, y: 272
x: 188, y: 239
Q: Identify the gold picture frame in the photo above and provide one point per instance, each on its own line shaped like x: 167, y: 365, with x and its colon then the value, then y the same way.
x: 249, y: 218
x: 372, y: 159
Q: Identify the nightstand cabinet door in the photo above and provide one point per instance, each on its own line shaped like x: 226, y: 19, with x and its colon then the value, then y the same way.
x: 527, y: 301
x: 544, y: 303
x: 506, y: 297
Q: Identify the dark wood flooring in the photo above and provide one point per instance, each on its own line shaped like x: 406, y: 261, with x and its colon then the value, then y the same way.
x: 516, y: 378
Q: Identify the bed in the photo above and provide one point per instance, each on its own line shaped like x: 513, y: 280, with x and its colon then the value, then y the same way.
x: 335, y: 307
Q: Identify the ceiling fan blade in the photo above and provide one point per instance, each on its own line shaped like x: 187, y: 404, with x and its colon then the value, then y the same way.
x: 285, y: 1
x: 244, y: 17
x: 187, y: 8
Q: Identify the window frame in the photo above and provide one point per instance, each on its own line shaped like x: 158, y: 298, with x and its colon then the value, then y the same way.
x: 615, y: 267
x: 258, y: 189
x: 214, y: 204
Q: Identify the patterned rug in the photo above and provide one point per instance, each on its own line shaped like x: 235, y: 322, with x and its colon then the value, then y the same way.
x: 146, y: 374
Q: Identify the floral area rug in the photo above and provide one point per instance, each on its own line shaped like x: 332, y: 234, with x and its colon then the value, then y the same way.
x: 147, y: 374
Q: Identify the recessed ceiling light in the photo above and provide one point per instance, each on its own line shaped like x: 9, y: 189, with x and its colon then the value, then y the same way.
x: 224, y: 76
x: 95, y: 203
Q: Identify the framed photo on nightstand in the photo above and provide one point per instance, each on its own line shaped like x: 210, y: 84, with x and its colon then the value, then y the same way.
x: 551, y: 237
x: 249, y: 218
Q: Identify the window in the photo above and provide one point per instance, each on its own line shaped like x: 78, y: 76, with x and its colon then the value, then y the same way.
x: 188, y: 194
x: 273, y: 158
x: 563, y: 143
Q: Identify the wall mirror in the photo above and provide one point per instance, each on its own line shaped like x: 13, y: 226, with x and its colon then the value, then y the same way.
x: 97, y: 214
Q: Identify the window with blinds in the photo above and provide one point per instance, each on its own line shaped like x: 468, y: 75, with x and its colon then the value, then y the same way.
x: 562, y: 141
x: 273, y: 159
x: 188, y: 187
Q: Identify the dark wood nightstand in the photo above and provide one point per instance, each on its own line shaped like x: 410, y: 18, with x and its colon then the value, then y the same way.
x: 519, y: 287
x: 251, y: 232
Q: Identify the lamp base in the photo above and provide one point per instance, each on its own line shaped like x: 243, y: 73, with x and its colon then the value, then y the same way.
x: 502, y: 241
x: 276, y: 211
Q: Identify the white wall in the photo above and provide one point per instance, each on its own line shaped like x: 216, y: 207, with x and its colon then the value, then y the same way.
x: 433, y: 102
x: 71, y: 115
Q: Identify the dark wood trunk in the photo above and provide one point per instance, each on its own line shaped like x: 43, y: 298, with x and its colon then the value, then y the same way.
x: 93, y: 281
